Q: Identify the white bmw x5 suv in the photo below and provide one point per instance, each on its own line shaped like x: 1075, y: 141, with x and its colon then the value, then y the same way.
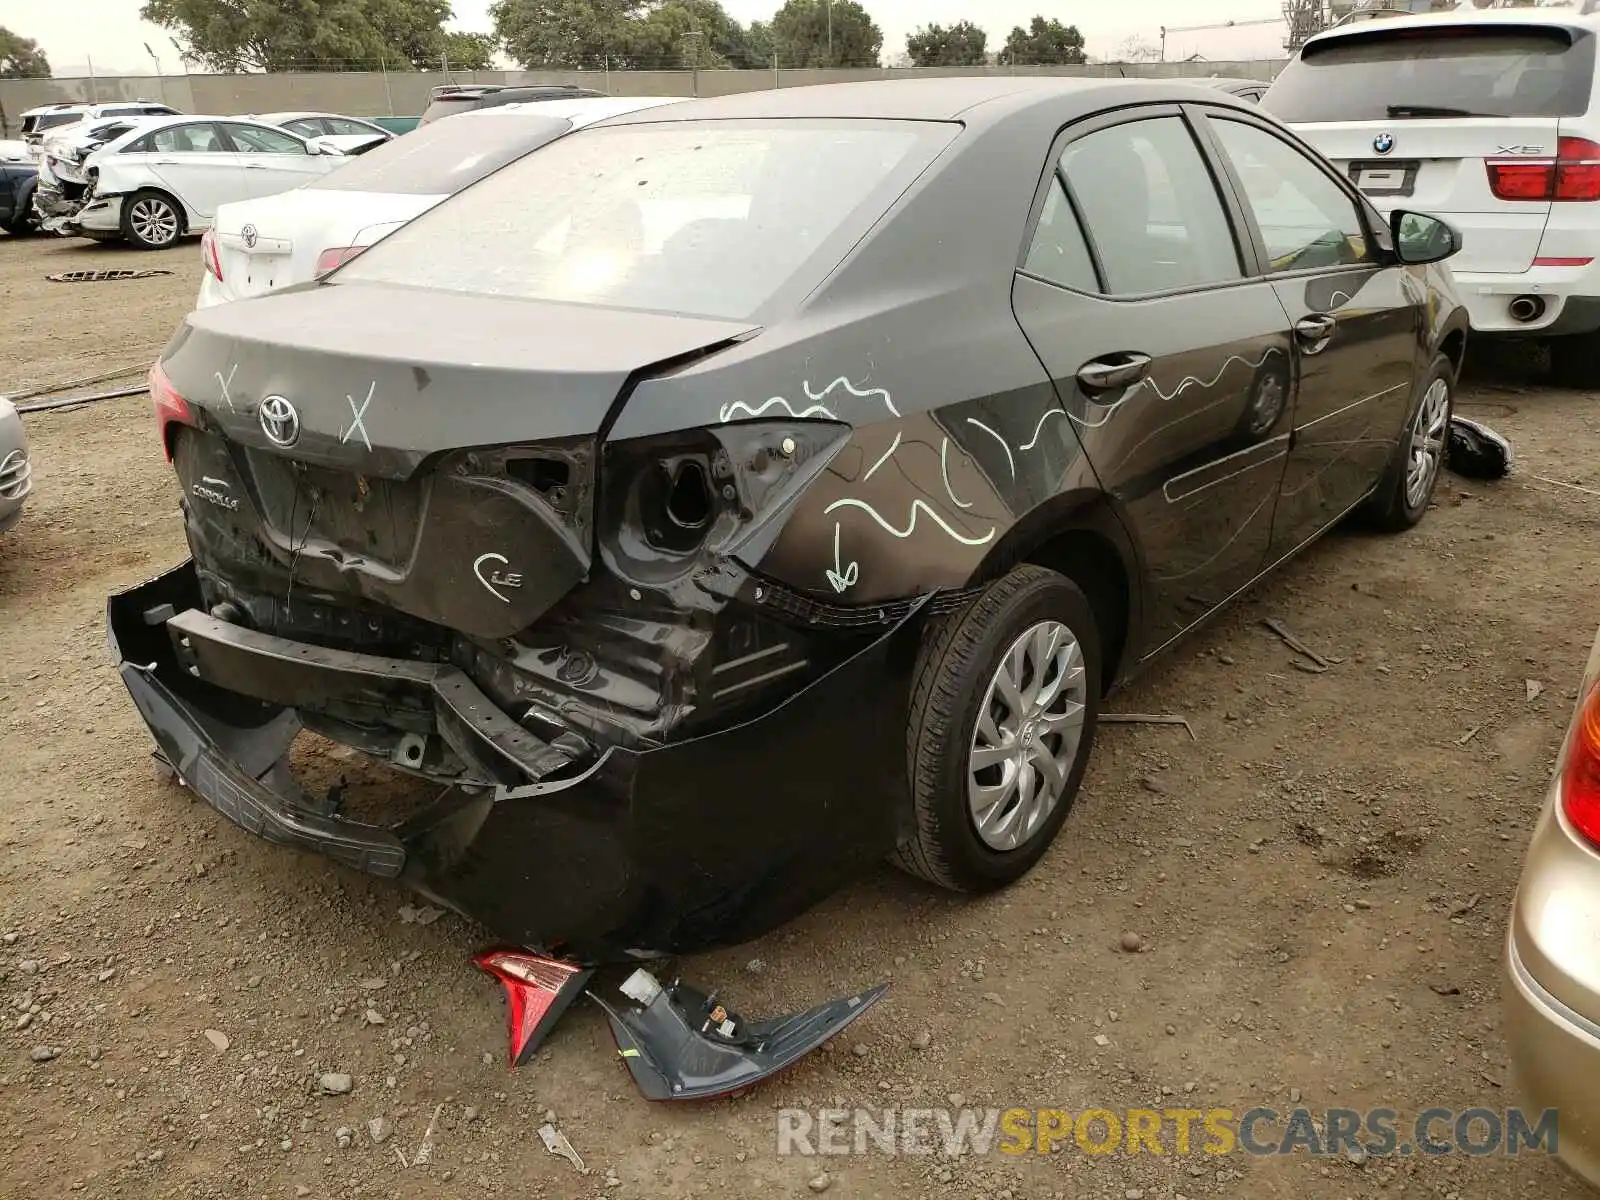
x: 1489, y: 118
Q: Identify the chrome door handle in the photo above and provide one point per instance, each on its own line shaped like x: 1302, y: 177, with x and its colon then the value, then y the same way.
x: 1318, y: 327
x: 1113, y: 371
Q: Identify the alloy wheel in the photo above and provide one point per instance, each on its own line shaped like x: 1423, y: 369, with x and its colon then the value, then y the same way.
x: 1428, y: 434
x: 154, y: 221
x: 1029, y: 730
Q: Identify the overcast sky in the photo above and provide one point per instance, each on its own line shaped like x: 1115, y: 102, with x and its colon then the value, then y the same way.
x: 110, y: 33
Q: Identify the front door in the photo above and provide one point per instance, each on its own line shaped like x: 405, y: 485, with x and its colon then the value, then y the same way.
x: 1172, y: 364
x: 1354, y: 317
x: 275, y: 161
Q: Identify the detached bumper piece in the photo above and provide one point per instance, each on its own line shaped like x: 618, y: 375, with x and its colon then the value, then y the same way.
x: 681, y: 1044
x: 1478, y: 452
x: 596, y: 854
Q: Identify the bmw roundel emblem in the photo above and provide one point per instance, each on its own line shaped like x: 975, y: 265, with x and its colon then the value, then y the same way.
x: 1383, y: 143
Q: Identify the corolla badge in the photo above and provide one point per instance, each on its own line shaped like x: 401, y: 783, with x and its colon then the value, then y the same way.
x: 1383, y: 143
x: 494, y: 579
x: 279, y: 421
x: 249, y: 234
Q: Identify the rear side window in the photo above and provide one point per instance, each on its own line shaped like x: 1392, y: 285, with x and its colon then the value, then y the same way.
x: 1058, y: 253
x: 1151, y: 206
x: 711, y: 219
x: 440, y: 160
x: 1459, y: 71
x: 50, y: 121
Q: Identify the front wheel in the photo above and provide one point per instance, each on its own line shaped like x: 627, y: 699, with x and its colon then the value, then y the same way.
x: 151, y: 221
x: 1001, y: 724
x: 1406, y: 489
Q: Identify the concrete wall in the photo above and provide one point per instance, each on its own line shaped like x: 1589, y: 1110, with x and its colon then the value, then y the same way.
x: 405, y: 93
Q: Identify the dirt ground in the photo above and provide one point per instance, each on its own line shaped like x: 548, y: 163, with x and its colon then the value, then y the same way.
x: 1320, y: 880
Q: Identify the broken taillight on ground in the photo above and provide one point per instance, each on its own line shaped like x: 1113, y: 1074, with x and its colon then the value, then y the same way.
x: 538, y: 990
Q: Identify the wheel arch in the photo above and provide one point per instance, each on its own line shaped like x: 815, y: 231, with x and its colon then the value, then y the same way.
x: 185, y: 216
x: 1080, y: 535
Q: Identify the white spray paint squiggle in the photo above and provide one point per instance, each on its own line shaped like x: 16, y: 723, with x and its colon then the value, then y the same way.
x: 888, y: 454
x: 842, y: 577
x: 917, y: 506
x: 858, y: 393
x: 944, y: 470
x: 1039, y: 429
x: 1004, y: 445
x: 727, y: 411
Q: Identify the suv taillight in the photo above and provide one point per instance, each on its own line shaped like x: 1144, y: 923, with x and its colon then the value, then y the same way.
x: 1580, y: 779
x: 1573, y: 175
x: 209, y: 255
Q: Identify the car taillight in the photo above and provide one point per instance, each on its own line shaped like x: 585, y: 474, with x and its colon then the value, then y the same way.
x: 334, y: 257
x: 1573, y: 175
x: 171, y: 408
x: 209, y: 255
x: 1580, y: 780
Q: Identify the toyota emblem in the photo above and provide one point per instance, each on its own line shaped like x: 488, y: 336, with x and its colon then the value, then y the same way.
x: 249, y: 233
x: 1383, y: 143
x: 279, y: 421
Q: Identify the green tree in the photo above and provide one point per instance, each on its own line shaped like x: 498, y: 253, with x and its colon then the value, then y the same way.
x: 283, y: 35
x: 959, y: 45
x: 626, y: 33
x: 1043, y: 42
x: 464, y: 52
x: 20, y: 57
x: 800, y: 34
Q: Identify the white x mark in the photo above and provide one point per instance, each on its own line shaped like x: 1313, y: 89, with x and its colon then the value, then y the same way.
x: 359, y: 413
x: 225, y: 384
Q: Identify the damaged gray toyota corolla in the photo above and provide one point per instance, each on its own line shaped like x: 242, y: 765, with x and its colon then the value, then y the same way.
x: 731, y: 495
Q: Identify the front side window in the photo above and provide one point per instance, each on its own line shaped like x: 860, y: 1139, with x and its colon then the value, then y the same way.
x: 1151, y: 207
x: 705, y: 218
x: 255, y: 139
x: 1306, y: 219
x: 339, y: 125
x: 306, y: 127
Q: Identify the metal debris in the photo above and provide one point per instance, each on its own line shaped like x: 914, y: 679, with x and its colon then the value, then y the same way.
x: 1148, y: 719
x: 1299, y: 647
x: 107, y: 275
x: 1571, y: 487
x: 1469, y: 735
x: 424, y: 1154
x: 555, y: 1142
x: 1535, y: 689
x: 74, y: 401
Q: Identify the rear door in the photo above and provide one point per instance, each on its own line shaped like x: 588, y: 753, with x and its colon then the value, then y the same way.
x: 275, y: 161
x: 1354, y: 313
x: 1172, y: 362
x: 195, y: 162
x: 1446, y: 118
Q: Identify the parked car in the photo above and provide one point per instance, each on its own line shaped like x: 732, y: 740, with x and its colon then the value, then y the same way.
x: 167, y: 177
x: 16, y: 470
x: 349, y: 135
x: 705, y: 533
x: 62, y: 160
x: 256, y: 246
x: 18, y: 181
x: 14, y: 151
x: 1492, y: 119
x: 1245, y: 89
x: 1552, y: 980
x: 37, y: 122
x: 449, y: 99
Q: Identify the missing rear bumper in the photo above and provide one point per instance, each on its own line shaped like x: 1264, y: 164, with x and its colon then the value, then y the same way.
x: 638, y: 852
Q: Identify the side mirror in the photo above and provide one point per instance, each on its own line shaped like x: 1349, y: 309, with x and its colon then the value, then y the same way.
x: 1419, y: 238
x: 317, y: 146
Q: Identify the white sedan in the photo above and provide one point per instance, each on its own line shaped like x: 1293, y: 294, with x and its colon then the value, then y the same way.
x: 168, y: 177
x: 258, y: 246
x: 349, y: 134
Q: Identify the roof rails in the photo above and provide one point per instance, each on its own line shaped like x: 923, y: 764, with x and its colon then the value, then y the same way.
x: 1584, y: 8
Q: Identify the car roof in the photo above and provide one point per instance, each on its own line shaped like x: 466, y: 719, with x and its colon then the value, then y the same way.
x: 591, y: 107
x: 975, y: 99
x: 270, y: 118
x: 1573, y: 17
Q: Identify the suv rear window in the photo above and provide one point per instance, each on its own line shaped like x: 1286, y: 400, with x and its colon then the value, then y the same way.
x: 1455, y: 71
x: 710, y: 219
x: 50, y: 121
x: 440, y: 160
x: 446, y: 106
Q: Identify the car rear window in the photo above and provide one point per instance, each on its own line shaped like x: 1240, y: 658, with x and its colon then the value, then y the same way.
x: 448, y: 105
x: 691, y: 217
x: 50, y: 121
x: 1464, y: 70
x: 441, y: 159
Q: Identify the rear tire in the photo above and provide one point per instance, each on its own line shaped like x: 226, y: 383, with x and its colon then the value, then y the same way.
x: 1002, y: 722
x: 1575, y: 361
x: 151, y: 220
x: 1406, y: 490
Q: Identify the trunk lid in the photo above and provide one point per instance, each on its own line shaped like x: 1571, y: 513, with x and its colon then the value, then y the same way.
x: 430, y: 453
x: 273, y: 242
x: 1441, y: 167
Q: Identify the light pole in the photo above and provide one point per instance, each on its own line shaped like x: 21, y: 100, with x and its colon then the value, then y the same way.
x: 161, y: 81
